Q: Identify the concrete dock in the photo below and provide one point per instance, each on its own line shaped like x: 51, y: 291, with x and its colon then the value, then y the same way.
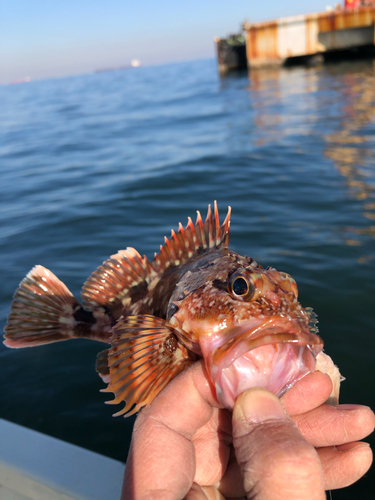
x: 308, y: 37
x: 274, y: 42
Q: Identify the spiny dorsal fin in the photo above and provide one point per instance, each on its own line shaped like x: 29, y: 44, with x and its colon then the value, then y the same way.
x: 112, y: 284
x: 193, y: 240
x: 145, y: 356
x: 124, y: 277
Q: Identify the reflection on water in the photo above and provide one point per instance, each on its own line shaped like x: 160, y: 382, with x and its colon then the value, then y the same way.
x: 280, y: 98
x: 352, y: 146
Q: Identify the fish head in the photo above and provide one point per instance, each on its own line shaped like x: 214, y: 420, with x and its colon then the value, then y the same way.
x: 247, y: 324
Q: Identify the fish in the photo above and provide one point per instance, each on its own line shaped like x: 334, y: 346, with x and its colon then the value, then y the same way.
x: 195, y: 299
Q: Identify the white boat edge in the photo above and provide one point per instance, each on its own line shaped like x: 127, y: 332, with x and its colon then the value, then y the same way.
x: 34, y: 466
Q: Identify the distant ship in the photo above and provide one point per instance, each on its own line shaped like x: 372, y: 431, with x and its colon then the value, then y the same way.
x: 26, y: 79
x: 135, y: 63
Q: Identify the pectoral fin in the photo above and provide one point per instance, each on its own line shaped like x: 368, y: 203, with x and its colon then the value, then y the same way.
x: 145, y: 355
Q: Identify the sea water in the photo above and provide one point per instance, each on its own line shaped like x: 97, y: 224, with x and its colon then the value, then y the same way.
x: 92, y: 164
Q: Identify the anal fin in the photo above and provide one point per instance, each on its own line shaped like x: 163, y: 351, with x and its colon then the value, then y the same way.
x: 145, y: 355
x: 102, y: 367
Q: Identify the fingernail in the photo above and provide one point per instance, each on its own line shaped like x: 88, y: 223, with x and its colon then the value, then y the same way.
x: 350, y: 407
x: 259, y: 405
x: 348, y: 447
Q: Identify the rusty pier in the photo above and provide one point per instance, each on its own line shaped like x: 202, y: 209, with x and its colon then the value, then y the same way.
x: 305, y: 37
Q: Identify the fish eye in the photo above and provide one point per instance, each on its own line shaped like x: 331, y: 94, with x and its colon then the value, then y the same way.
x: 241, y: 287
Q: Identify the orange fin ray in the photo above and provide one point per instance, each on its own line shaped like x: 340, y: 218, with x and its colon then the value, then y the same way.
x: 145, y: 356
x: 129, y: 371
x: 113, y: 285
x: 42, y: 311
x: 142, y: 373
x: 193, y: 240
x: 144, y: 392
x: 126, y: 359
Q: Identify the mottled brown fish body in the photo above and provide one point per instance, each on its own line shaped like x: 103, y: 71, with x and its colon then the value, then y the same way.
x: 196, y: 298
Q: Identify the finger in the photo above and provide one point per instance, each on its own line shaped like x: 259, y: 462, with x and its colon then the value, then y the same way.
x: 208, y: 493
x: 311, y: 391
x: 162, y: 439
x: 334, y: 425
x: 326, y: 426
x: 345, y: 464
x: 276, y: 461
x: 203, y: 493
x: 212, y: 447
x: 231, y: 485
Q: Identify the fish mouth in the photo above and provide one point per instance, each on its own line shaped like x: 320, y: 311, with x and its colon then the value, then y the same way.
x: 256, y: 333
x: 274, y: 353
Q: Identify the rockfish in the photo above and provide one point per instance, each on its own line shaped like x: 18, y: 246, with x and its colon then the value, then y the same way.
x: 195, y: 299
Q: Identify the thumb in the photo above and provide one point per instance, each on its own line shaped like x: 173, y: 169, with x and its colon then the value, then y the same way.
x: 277, y: 463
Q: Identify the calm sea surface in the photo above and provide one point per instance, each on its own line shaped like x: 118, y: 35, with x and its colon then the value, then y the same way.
x: 94, y: 163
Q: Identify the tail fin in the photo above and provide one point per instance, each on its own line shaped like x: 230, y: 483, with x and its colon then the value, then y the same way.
x: 42, y: 311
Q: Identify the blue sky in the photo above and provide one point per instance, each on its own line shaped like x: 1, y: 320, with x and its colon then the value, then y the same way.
x: 42, y: 39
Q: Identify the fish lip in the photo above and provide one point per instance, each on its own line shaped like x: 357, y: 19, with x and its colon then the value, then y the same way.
x: 249, y: 335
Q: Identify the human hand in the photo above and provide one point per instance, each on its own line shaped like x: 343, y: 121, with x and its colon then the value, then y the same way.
x: 182, y: 445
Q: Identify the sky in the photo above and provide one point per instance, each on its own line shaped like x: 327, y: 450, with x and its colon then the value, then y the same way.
x: 44, y: 39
